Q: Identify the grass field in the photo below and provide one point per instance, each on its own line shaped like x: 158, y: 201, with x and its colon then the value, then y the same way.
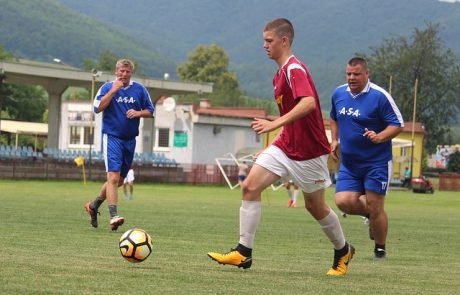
x: 48, y: 246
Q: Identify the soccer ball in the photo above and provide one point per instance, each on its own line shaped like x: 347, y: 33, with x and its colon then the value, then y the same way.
x: 135, y: 245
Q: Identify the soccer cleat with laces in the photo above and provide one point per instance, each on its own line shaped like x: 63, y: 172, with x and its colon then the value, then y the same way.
x: 340, y: 265
x: 380, y: 254
x: 92, y: 214
x: 233, y: 258
x: 115, y: 222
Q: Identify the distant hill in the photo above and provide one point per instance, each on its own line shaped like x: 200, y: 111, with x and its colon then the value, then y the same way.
x: 160, y: 34
x: 46, y: 29
x: 327, y: 32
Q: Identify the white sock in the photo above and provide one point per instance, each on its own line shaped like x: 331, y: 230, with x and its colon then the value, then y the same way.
x: 333, y: 230
x: 295, y: 195
x: 250, y: 212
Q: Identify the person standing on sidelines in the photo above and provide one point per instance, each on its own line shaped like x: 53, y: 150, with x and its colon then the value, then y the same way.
x: 299, y: 152
x: 365, y: 118
x: 242, y: 172
x: 407, y: 178
x: 293, y: 192
x: 128, y: 185
x: 123, y: 102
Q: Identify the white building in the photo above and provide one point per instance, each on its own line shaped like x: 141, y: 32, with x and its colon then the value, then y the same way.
x: 188, y: 134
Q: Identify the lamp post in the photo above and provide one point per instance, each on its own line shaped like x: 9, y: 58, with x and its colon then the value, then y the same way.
x: 94, y: 74
x: 413, y: 132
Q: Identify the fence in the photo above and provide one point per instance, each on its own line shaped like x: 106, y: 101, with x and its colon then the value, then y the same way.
x: 449, y: 182
x: 67, y: 170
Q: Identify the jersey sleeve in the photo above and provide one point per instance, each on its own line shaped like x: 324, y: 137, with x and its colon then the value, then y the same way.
x: 391, y: 114
x: 333, y: 113
x: 299, y: 82
x: 100, y: 93
x: 147, y: 101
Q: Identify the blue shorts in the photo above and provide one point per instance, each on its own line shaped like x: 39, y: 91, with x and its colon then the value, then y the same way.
x: 118, y: 153
x: 375, y: 178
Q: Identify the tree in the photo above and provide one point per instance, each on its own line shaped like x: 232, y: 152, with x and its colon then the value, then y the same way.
x: 26, y: 103
x: 420, y: 57
x: 20, y: 102
x: 210, y: 64
x: 106, y: 63
x: 453, y: 164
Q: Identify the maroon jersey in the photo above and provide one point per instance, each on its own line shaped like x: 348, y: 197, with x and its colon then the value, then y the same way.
x: 304, y: 138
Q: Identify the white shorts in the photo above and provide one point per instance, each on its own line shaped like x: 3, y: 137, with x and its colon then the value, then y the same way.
x: 310, y: 175
x: 129, y: 177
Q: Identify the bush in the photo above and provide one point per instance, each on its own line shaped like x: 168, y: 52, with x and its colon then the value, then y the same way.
x: 453, y: 164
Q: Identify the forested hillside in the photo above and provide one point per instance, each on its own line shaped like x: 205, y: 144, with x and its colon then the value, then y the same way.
x: 160, y: 34
x: 327, y: 32
x: 46, y: 29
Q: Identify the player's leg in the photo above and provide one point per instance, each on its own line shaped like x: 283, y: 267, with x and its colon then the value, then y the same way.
x: 376, y: 184
x: 114, y: 156
x: 289, y: 191
x: 250, y: 211
x: 125, y: 189
x: 92, y: 208
x: 378, y: 222
x: 330, y: 224
x: 349, y: 191
x: 313, y: 178
x: 352, y: 203
x: 131, y: 190
x: 295, y: 195
x: 258, y: 179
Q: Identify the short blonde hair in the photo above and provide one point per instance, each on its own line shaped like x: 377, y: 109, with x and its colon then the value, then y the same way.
x: 126, y: 63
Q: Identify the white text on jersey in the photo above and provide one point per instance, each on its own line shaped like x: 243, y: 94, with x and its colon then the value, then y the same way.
x: 349, y: 112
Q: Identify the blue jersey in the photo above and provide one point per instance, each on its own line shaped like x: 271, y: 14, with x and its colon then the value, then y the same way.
x: 373, y: 109
x: 114, y: 120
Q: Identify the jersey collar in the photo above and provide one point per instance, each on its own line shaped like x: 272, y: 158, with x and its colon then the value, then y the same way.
x: 130, y: 83
x: 365, y: 89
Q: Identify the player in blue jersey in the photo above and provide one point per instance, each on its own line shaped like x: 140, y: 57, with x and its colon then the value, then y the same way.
x: 123, y: 102
x: 365, y: 118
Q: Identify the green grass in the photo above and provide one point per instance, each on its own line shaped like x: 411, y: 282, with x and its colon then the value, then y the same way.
x: 48, y: 246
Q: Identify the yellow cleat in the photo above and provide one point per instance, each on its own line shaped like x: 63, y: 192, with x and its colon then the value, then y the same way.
x: 340, y: 266
x: 233, y: 258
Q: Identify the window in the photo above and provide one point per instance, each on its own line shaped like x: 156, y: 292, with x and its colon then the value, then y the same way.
x: 80, y: 136
x: 163, y: 137
x: 87, y: 135
x: 75, y: 134
x: 257, y: 137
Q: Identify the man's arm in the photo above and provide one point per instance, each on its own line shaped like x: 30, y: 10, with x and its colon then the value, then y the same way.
x: 386, y: 134
x: 305, y: 106
x: 107, y: 98
x: 335, y: 138
x: 131, y: 113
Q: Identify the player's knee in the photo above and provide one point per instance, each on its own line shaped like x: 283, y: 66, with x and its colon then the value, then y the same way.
x: 249, y: 191
x: 317, y: 210
x: 343, y: 204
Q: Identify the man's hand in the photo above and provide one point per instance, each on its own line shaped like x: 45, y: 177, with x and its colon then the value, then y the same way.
x: 117, y: 85
x: 334, y: 155
x: 261, y: 125
x: 130, y: 114
x: 372, y: 136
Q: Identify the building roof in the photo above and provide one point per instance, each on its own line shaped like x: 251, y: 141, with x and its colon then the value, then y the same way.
x: 418, y: 127
x: 249, y: 113
x: 20, y: 127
